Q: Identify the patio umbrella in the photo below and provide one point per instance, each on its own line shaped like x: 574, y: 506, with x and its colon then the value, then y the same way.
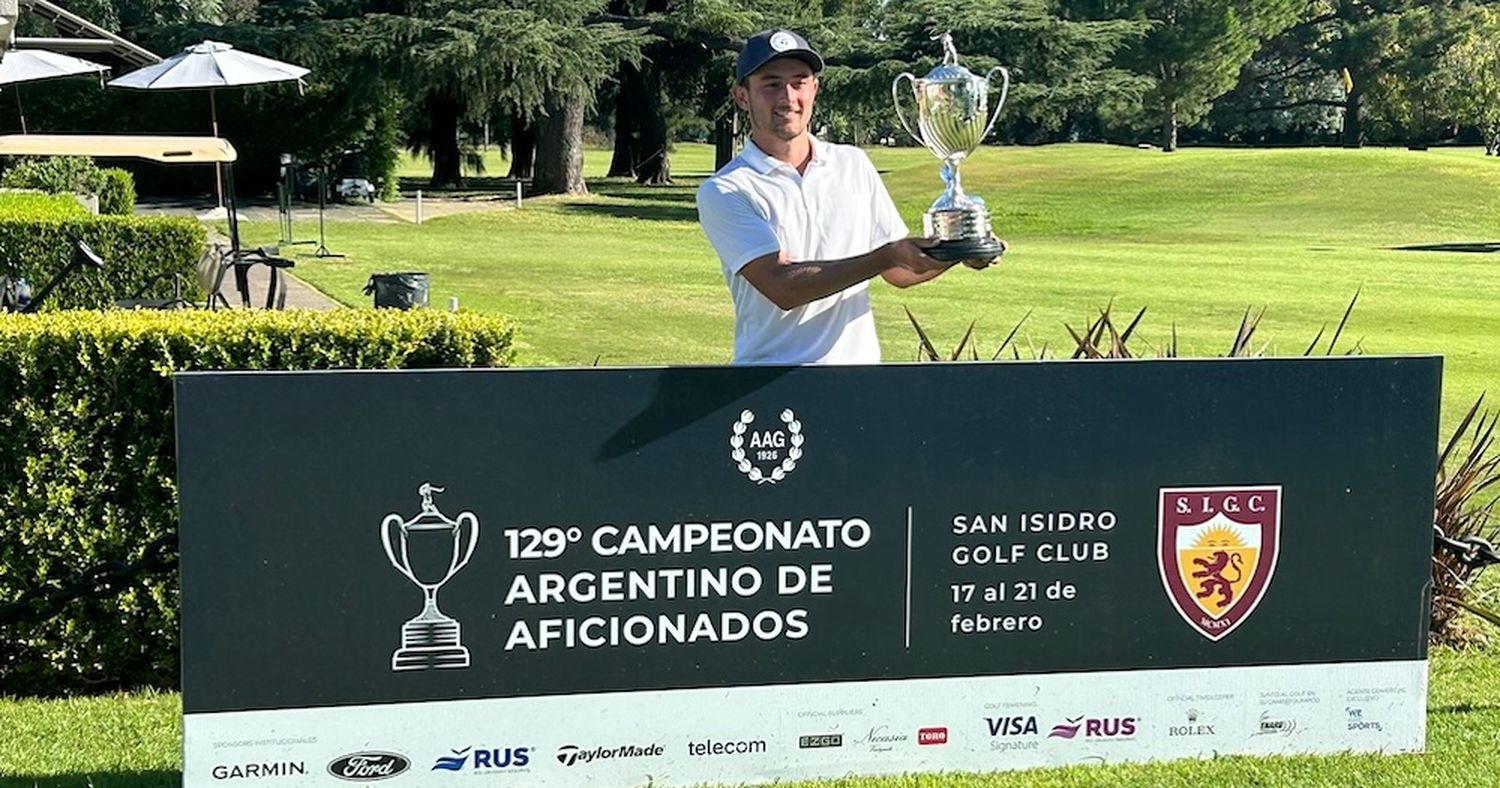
x: 210, y: 65
x: 35, y: 65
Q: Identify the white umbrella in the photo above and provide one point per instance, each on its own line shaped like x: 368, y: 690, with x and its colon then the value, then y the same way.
x: 210, y: 65
x: 35, y: 65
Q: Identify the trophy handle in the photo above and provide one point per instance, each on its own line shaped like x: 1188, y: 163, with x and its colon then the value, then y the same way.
x: 1004, y: 91
x: 896, y: 97
x: 473, y: 540
x: 390, y: 550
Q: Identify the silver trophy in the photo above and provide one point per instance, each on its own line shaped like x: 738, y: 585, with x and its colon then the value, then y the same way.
x: 429, y: 549
x: 953, y: 117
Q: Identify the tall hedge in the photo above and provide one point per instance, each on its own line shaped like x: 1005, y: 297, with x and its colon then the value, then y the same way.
x: 136, y: 250
x: 87, y: 470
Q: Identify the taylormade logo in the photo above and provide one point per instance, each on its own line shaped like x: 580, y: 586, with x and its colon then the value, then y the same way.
x: 569, y: 754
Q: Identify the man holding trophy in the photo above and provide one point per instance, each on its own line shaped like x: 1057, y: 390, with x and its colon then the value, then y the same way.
x: 801, y: 225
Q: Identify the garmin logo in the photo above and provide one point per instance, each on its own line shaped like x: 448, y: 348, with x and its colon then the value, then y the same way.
x: 253, y: 771
x: 368, y: 767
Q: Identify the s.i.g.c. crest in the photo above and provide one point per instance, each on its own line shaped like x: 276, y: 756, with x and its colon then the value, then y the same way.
x: 1217, y: 549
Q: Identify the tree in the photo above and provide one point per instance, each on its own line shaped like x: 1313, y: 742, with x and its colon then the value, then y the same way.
x: 1467, y: 79
x: 1195, y: 50
x: 1373, y: 47
x: 1061, y: 67
x: 466, y: 56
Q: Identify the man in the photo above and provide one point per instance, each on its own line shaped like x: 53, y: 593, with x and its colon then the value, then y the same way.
x: 802, y: 225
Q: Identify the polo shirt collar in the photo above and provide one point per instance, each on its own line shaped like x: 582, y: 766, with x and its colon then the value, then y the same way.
x: 765, y: 164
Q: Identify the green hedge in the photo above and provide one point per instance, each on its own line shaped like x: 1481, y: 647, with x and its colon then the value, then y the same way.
x: 87, y: 468
x: 116, y: 192
x: 30, y: 205
x: 137, y: 250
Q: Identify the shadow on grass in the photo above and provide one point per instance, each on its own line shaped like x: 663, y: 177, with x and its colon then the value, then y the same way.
x: 123, y: 779
x: 1471, y: 248
x: 655, y: 213
x: 631, y: 191
x: 1464, y: 708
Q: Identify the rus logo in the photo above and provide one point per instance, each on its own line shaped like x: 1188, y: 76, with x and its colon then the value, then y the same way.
x: 1216, y: 552
x: 1094, y: 728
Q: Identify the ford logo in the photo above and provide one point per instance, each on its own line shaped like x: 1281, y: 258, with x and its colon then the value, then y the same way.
x: 367, y: 767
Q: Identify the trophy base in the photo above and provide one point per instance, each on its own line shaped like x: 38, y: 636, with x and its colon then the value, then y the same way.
x: 430, y: 657
x: 966, y: 250
x: 430, y: 643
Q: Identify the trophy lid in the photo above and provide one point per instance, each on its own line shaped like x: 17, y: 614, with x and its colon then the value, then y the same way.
x: 949, y: 70
x: 430, y: 516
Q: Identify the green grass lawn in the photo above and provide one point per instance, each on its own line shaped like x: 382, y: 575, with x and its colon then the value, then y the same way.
x: 625, y: 275
x: 134, y: 740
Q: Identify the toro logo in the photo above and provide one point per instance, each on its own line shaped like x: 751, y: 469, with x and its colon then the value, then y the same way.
x: 932, y: 736
x: 367, y: 767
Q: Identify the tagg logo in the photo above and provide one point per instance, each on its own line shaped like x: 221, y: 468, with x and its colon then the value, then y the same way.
x: 931, y: 736
x: 1095, y: 728
x: 368, y: 767
x: 573, y: 755
x: 259, y: 771
x: 768, y: 454
x: 1217, y: 550
x: 484, y: 759
x: 1270, y: 725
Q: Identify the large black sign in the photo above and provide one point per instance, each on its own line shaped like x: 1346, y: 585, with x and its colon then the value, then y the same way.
x: 357, y: 538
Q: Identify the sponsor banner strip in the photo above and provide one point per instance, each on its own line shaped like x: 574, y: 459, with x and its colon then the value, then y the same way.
x: 763, y: 734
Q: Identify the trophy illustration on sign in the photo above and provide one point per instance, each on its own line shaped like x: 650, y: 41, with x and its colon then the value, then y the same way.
x: 429, y: 549
x: 952, y: 119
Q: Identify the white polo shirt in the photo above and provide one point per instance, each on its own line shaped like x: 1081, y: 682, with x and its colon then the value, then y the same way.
x: 838, y: 208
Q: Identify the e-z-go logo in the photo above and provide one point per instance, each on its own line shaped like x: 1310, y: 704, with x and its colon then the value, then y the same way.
x: 768, y: 454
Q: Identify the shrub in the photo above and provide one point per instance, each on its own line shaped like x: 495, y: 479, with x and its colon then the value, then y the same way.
x: 116, y: 192
x: 136, y: 250
x: 30, y: 205
x: 87, y: 464
x: 55, y: 174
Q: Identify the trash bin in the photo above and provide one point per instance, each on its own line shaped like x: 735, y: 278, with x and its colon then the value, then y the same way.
x: 399, y: 290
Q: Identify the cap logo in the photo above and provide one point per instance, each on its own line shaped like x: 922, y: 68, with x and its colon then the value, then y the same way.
x: 782, y: 41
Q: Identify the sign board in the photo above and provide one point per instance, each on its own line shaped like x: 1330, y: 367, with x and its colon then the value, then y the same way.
x: 727, y: 575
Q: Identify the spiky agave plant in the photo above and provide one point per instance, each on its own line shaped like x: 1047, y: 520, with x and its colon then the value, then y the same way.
x: 1464, y: 507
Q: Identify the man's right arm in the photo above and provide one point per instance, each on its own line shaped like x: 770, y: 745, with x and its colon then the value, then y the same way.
x: 748, y: 246
x: 790, y: 284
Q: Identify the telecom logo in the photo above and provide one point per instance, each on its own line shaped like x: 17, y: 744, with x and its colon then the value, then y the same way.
x: 701, y: 749
x: 572, y: 754
x: 484, y: 758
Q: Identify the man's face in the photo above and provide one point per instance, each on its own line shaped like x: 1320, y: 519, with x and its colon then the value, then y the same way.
x: 779, y: 97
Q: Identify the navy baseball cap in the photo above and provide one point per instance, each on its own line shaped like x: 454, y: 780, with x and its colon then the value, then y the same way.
x: 767, y: 45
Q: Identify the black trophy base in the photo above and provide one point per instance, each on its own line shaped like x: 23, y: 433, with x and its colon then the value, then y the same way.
x: 966, y: 250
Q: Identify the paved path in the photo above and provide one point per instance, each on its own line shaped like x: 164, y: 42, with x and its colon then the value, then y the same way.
x: 299, y: 295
